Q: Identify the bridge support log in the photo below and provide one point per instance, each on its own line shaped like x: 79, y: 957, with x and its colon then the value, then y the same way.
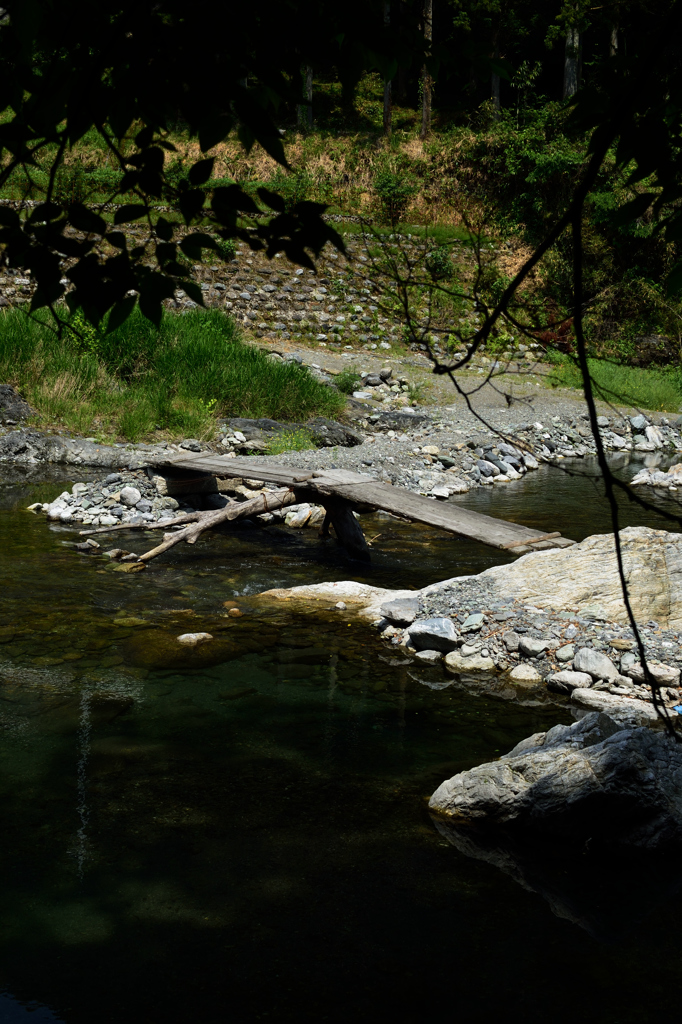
x: 346, y: 527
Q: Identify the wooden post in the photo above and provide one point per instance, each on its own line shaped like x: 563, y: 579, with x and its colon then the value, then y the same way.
x: 347, y: 528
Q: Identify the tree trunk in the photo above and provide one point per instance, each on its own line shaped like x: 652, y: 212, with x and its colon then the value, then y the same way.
x: 426, y: 77
x: 613, y: 46
x: 305, y: 110
x: 388, y: 85
x: 572, y: 63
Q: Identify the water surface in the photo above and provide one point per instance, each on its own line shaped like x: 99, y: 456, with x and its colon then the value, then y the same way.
x: 240, y: 832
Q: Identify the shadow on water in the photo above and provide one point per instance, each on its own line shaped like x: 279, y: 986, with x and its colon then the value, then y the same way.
x: 240, y: 832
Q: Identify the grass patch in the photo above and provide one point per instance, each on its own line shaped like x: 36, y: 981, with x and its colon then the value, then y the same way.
x: 299, y: 440
x: 347, y: 381
x: 139, y: 382
x: 657, y: 390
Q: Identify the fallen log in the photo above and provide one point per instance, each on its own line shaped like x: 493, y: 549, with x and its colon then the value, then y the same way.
x: 199, y: 522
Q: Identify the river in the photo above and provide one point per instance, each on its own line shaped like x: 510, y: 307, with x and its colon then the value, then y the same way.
x: 239, y: 832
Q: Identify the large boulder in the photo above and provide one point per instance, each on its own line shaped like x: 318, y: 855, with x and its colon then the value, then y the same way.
x: 584, y: 577
x: 590, y: 780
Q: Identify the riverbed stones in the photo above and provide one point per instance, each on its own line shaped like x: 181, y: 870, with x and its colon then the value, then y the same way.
x: 567, y: 681
x: 402, y: 612
x: 437, y: 634
x: 593, y: 779
x: 628, y: 711
x: 665, y: 675
x: 565, y: 653
x: 595, y: 664
x: 525, y: 674
x: 129, y: 496
x: 193, y: 639
x: 456, y: 663
x: 531, y: 647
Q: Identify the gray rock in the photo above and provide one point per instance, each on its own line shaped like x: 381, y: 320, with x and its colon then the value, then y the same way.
x: 532, y: 648
x: 628, y: 711
x: 437, y: 634
x: 429, y: 656
x: 191, y: 444
x: 401, y: 612
x: 511, y: 640
x: 130, y: 496
x: 666, y: 675
x: 567, y: 681
x: 595, y: 664
x: 473, y: 623
x: 639, y: 423
x: 525, y: 674
x: 456, y: 662
x: 13, y: 408
x: 565, y: 653
x: 113, y: 478
x: 591, y: 779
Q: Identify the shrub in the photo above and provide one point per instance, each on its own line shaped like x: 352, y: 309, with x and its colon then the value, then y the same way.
x: 347, y: 381
x: 394, y: 192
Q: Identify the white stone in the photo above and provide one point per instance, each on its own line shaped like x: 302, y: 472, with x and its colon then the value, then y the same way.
x: 455, y: 663
x: 568, y: 680
x: 525, y: 674
x: 626, y: 710
x: 192, y: 639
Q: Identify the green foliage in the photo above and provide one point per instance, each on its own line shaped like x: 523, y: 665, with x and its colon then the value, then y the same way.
x: 626, y: 385
x: 439, y: 263
x: 293, y: 188
x: 298, y: 440
x: 394, y: 192
x: 347, y: 381
x: 126, y: 382
x: 227, y: 248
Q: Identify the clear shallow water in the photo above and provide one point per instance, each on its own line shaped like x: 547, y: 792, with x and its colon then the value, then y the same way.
x: 240, y: 832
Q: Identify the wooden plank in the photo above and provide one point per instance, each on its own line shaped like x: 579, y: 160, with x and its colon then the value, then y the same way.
x: 360, y: 489
x: 453, y: 518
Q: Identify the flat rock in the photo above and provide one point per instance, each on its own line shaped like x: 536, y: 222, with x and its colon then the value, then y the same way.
x: 592, y: 779
x: 437, y: 634
x: 596, y: 664
x: 586, y: 575
x: 628, y: 711
x: 402, y: 612
x: 430, y: 657
x: 456, y: 662
x: 567, y: 681
x: 664, y: 674
x: 525, y: 674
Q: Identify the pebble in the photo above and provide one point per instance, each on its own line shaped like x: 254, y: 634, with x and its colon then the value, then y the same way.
x: 192, y: 639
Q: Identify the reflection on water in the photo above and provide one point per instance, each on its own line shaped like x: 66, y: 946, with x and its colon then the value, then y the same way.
x: 240, y: 831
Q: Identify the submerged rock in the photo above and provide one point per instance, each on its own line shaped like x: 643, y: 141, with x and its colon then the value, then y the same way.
x: 590, y: 780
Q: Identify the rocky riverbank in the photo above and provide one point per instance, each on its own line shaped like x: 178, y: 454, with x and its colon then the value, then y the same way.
x: 552, y: 622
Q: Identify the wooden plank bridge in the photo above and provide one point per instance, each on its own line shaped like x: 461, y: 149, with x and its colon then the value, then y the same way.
x: 341, y: 491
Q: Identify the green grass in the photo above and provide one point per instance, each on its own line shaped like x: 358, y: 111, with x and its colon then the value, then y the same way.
x: 139, y: 382
x: 626, y: 385
x: 299, y: 440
